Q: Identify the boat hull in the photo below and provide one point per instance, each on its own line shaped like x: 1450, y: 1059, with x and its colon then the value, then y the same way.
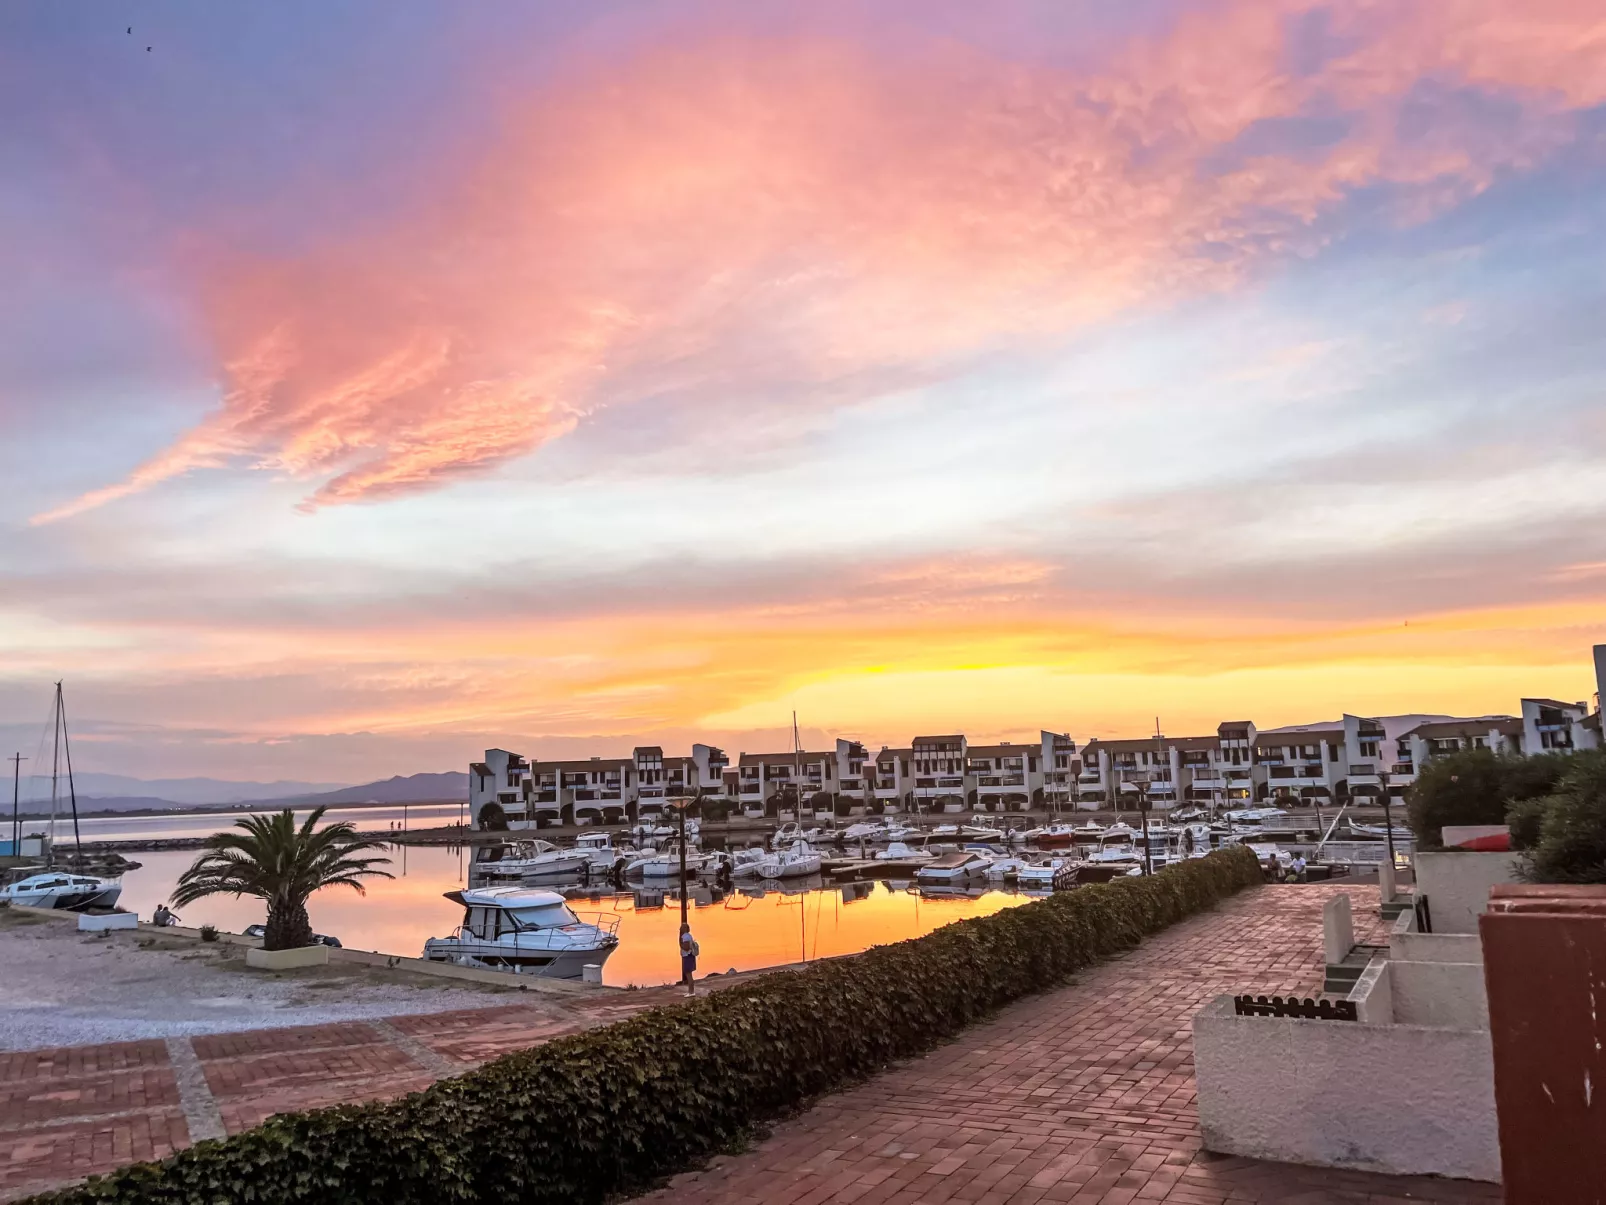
x: 494, y: 956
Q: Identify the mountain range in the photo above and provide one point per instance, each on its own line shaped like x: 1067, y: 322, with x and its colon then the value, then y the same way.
x: 120, y: 793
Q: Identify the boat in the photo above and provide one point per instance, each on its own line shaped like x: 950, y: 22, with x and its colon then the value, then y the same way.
x: 58, y: 889
x: 1039, y: 875
x: 981, y: 832
x: 516, y: 861
x: 792, y: 832
x: 953, y: 868
x: 898, y: 851
x: 1051, y: 836
x: 1398, y: 832
x: 745, y: 863
x: 945, y: 830
x: 526, y: 932
x: 800, y: 860
x: 603, y: 854
x: 1002, y: 870
x: 865, y: 831
x: 666, y: 863
x: 1253, y: 816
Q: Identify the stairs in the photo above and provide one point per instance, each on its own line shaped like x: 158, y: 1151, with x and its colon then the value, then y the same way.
x: 1341, y: 977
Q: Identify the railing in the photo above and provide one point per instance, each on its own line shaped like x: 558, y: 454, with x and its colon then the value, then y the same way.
x: 1293, y: 1006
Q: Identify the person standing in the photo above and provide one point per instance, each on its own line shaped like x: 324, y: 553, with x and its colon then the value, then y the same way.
x: 688, y: 959
x: 1300, y: 874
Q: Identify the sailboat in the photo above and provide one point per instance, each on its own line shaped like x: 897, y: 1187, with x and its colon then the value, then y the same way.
x: 56, y: 888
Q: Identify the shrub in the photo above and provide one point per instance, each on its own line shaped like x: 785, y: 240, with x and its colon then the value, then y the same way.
x: 612, y: 1110
x: 1570, y: 843
x: 493, y: 818
x: 208, y: 932
x: 1474, y: 786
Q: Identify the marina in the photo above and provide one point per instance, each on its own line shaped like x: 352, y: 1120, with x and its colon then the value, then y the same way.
x: 821, y: 894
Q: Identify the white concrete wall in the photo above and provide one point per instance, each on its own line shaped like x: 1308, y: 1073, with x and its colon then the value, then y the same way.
x: 1446, y: 994
x: 1404, y: 1099
x: 1457, y: 886
x: 1436, y: 947
x: 1373, y: 994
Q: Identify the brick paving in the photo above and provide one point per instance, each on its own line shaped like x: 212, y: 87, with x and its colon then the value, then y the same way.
x: 1083, y: 1094
x: 71, y: 1112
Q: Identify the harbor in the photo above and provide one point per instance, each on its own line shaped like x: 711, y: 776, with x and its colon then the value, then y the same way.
x: 761, y: 892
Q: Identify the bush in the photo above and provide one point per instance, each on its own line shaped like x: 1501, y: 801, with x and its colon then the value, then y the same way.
x: 613, y: 1110
x: 1474, y: 786
x: 493, y: 818
x: 208, y: 932
x: 1570, y: 845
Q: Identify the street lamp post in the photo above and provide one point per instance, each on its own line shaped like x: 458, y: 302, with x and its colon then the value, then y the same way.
x: 680, y: 803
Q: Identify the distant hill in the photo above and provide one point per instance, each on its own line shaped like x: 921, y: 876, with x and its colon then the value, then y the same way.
x: 107, y: 789
x: 118, y: 793
x: 414, y: 788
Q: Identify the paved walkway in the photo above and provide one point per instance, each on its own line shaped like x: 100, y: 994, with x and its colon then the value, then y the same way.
x: 70, y: 1112
x: 1084, y: 1094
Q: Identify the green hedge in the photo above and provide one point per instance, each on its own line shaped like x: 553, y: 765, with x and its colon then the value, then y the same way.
x: 612, y: 1110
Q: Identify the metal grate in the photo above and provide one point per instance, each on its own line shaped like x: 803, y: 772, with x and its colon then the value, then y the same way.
x: 1294, y: 1006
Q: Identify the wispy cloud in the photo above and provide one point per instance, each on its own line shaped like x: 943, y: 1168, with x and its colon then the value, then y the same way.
x: 721, y: 217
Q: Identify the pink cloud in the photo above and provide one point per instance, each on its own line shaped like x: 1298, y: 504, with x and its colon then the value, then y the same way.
x: 735, y: 218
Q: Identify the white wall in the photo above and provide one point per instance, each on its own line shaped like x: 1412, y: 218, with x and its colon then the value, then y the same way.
x: 1457, y: 886
x: 1447, y: 994
x: 1403, y: 1099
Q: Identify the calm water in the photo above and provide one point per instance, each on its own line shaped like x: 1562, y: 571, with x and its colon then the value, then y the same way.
x: 199, y: 824
x: 396, y: 915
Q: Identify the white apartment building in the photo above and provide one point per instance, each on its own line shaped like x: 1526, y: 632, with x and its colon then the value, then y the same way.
x: 1352, y: 758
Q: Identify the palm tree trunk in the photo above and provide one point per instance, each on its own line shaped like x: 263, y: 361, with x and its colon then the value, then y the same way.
x: 288, y: 927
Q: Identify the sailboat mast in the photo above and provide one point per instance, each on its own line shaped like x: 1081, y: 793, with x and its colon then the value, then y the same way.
x: 72, y: 791
x: 16, y: 820
x: 55, y: 766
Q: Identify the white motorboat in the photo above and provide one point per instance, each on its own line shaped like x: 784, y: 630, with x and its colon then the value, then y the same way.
x: 800, y: 860
x: 603, y: 854
x: 1038, y: 876
x: 1253, y: 816
x: 791, y: 833
x: 898, y: 851
x: 981, y: 832
x: 1002, y: 870
x: 666, y: 863
x: 1399, y: 832
x: 945, y: 830
x: 526, y: 932
x: 57, y: 889
x: 953, y: 868
x: 864, y: 830
x: 745, y: 863
x: 518, y: 861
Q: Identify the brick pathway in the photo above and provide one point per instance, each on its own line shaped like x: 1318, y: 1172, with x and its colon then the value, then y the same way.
x: 71, y: 1112
x: 1084, y: 1094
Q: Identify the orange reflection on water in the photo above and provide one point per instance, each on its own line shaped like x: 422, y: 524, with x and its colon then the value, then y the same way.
x: 739, y: 933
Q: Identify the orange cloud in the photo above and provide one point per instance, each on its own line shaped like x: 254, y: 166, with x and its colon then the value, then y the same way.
x: 727, y: 217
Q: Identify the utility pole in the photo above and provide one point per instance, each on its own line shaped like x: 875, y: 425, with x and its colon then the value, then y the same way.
x: 16, y: 823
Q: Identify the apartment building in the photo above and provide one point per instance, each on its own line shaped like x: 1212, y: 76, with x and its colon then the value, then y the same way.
x: 1352, y: 758
x: 1415, y: 748
x: 595, y: 790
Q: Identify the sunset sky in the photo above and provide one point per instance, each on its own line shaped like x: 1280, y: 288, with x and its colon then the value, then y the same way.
x: 384, y: 380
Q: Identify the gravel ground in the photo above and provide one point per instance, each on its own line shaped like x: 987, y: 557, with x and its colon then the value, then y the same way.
x: 61, y: 988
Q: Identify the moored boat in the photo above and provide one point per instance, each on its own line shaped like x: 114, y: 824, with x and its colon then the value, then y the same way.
x: 58, y: 889
x: 525, y: 932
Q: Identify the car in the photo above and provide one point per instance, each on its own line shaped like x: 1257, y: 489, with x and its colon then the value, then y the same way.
x: 318, y: 939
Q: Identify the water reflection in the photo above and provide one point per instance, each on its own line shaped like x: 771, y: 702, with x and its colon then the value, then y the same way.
x: 754, y: 926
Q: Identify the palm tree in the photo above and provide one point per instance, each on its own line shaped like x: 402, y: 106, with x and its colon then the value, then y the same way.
x: 272, y: 859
